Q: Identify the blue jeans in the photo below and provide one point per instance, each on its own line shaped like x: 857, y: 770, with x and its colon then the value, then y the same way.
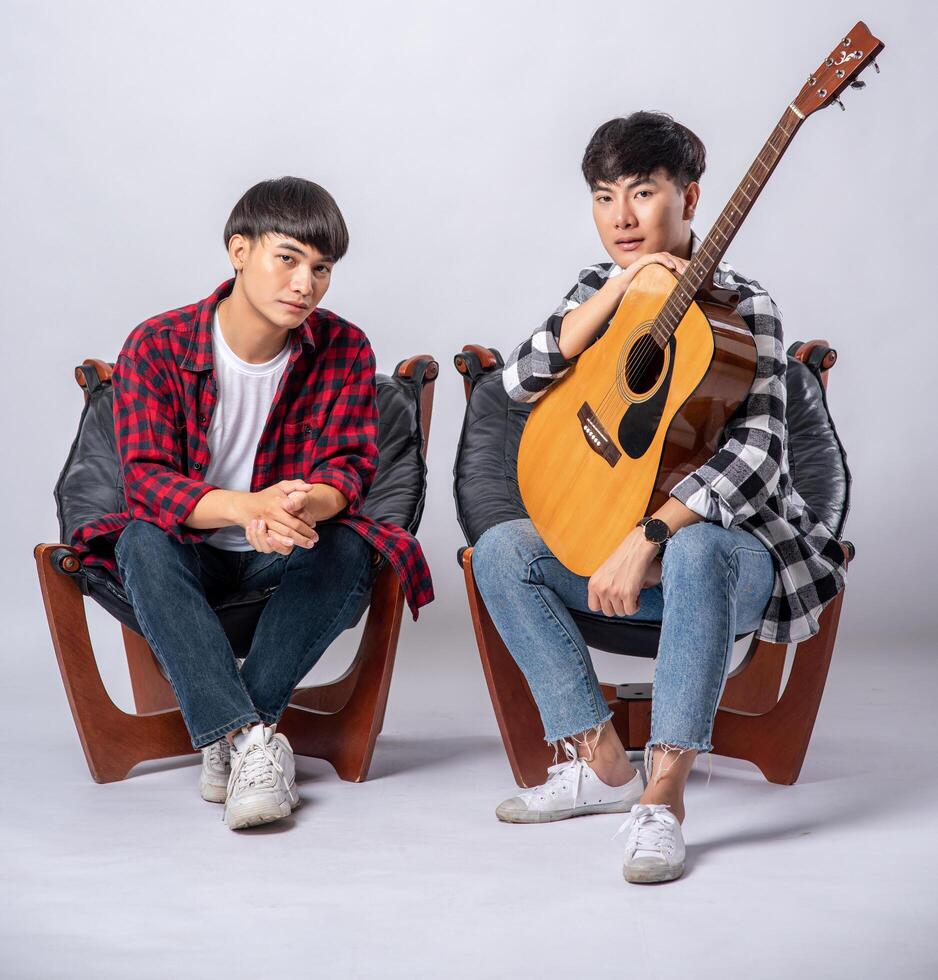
x: 172, y: 586
x: 715, y: 584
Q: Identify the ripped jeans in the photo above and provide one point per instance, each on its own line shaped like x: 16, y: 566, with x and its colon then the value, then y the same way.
x: 716, y: 583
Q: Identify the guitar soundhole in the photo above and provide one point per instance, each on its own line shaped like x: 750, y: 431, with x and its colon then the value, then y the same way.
x: 643, y: 365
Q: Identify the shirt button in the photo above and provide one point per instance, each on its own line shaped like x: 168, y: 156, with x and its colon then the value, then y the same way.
x: 202, y: 420
x: 307, y: 429
x: 197, y: 466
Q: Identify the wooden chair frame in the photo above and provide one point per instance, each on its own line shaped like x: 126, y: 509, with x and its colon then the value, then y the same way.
x: 339, y: 721
x: 753, y: 722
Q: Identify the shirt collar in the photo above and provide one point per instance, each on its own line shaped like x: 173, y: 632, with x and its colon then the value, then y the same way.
x: 199, y: 353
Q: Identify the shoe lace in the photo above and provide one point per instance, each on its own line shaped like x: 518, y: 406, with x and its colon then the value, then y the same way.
x: 563, y: 776
x: 650, y: 828
x: 219, y: 754
x: 256, y: 766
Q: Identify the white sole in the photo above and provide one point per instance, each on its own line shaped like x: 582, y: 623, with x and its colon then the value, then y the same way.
x: 549, y: 816
x: 648, y: 876
x: 213, y: 794
x: 254, y: 811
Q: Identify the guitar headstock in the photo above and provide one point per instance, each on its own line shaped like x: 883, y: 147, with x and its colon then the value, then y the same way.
x: 854, y: 54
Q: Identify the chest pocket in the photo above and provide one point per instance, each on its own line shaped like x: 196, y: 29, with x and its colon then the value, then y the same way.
x: 299, y: 436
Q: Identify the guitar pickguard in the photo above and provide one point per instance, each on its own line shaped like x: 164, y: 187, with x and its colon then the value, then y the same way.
x: 640, y: 422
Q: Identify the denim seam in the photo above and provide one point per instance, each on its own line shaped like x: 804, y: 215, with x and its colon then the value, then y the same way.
x: 584, y: 673
x: 322, y: 632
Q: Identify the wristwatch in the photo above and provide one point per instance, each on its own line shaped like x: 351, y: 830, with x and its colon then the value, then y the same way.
x: 656, y: 531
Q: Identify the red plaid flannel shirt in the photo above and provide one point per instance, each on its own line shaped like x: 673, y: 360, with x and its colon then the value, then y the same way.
x: 322, y: 428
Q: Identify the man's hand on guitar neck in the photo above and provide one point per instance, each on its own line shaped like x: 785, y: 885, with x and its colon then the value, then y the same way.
x: 580, y: 326
x: 615, y: 586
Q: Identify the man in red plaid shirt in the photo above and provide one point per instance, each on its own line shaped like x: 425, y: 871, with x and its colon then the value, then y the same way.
x: 246, y: 427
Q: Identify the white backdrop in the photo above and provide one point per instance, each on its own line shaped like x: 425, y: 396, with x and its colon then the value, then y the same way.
x: 451, y: 136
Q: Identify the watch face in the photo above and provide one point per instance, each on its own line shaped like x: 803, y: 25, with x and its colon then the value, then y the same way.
x: 656, y: 531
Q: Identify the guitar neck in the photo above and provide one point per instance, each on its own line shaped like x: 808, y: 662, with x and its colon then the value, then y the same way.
x: 707, y: 257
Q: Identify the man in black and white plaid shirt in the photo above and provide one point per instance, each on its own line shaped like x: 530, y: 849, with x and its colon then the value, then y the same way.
x: 742, y: 551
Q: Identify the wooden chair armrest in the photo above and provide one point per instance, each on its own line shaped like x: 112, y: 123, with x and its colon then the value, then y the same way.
x: 486, y: 358
x: 817, y: 354
x: 101, y: 368
x: 420, y: 367
x: 62, y: 557
x: 474, y: 358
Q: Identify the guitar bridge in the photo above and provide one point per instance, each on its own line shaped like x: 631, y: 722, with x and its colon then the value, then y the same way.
x: 597, y: 438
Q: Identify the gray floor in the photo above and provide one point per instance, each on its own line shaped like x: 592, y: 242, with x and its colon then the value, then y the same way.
x: 410, y: 875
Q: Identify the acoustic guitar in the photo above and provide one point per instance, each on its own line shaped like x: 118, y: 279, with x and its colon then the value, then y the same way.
x: 645, y: 404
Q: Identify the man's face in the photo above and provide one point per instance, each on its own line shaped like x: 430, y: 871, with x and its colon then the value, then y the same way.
x: 282, y: 279
x: 636, y: 216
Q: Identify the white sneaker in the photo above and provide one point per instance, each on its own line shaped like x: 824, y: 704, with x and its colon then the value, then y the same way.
x: 572, y: 790
x: 654, y: 850
x: 262, y: 785
x: 216, y: 768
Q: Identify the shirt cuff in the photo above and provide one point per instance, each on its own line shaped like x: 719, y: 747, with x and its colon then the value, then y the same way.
x: 338, y: 479
x: 697, y: 495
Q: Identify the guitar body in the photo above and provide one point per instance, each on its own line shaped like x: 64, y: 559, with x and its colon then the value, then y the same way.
x: 630, y: 420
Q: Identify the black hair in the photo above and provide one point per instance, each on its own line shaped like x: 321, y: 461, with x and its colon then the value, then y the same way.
x: 638, y: 145
x: 294, y: 207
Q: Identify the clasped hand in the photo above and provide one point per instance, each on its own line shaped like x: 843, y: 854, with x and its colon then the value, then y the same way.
x: 280, y: 517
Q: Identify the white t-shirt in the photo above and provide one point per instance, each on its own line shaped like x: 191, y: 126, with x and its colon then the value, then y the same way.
x: 245, y: 394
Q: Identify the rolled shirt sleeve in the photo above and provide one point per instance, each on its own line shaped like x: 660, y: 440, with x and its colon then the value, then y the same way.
x: 536, y: 364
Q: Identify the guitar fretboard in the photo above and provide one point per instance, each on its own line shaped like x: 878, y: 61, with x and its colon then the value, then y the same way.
x: 705, y: 260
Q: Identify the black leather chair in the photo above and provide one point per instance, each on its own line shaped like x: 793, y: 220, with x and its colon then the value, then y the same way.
x: 340, y: 721
x: 753, y: 722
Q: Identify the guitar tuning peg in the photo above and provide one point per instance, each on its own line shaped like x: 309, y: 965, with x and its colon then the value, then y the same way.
x: 876, y: 67
x: 858, y: 83
x: 843, y: 108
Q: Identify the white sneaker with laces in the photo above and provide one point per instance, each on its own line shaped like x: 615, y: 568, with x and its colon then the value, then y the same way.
x: 572, y: 790
x: 654, y: 849
x: 262, y: 785
x: 216, y: 768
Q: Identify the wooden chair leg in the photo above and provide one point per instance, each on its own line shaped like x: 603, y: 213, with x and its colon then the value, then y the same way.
x: 113, y: 741
x: 152, y: 691
x: 340, y: 722
x: 516, y: 712
x: 754, y: 685
x: 776, y: 741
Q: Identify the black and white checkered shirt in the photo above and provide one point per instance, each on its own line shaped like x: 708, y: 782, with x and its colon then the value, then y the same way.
x: 747, y: 482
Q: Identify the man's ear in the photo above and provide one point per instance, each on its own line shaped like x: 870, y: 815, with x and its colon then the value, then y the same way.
x: 691, y: 197
x: 239, y: 248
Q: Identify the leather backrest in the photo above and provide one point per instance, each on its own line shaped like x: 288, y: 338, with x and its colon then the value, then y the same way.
x: 816, y: 456
x: 91, y: 482
x: 485, y: 481
x: 91, y: 485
